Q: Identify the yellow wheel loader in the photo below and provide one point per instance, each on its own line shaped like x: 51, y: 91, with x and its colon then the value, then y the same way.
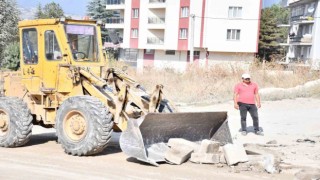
x: 63, y: 83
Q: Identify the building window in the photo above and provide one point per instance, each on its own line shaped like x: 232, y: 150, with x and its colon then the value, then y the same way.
x: 52, y: 48
x: 183, y: 33
x: 235, y: 12
x: 149, y: 51
x: 135, y: 13
x: 297, y: 11
x: 185, y: 12
x: 233, y: 34
x: 170, y: 52
x: 134, y: 33
x: 195, y: 53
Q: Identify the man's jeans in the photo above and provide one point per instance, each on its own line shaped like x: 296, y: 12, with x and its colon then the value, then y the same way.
x: 253, y: 110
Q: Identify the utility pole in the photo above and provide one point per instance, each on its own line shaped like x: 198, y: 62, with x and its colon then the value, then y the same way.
x: 192, y: 16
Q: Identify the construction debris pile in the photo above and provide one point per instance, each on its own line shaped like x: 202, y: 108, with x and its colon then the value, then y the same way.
x: 247, y: 157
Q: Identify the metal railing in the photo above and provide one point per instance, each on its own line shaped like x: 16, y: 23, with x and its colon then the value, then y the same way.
x: 115, y: 21
x: 155, y: 40
x: 157, y: 1
x: 301, y: 39
x: 156, y: 20
x: 296, y: 39
x: 302, y: 18
x: 115, y: 2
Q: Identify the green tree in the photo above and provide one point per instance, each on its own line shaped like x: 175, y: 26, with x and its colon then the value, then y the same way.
x: 270, y: 34
x: 96, y: 9
x: 11, y: 56
x: 50, y: 10
x: 9, y: 17
x: 39, y: 14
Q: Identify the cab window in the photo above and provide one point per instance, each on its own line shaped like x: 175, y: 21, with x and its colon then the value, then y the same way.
x: 52, y: 49
x: 30, y: 46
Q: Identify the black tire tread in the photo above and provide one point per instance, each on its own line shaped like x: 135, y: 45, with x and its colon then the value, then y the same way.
x: 20, y: 120
x: 102, y: 126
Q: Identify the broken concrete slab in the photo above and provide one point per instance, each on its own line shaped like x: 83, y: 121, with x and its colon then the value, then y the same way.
x: 222, y: 159
x: 205, y: 158
x: 178, y: 155
x: 208, y: 146
x: 234, y: 153
x: 181, y: 143
x: 255, y: 149
x: 266, y: 162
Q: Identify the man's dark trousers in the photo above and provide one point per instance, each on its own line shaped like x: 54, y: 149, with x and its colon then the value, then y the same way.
x: 253, y: 110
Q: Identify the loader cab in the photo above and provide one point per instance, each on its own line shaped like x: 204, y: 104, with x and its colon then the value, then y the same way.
x: 49, y: 45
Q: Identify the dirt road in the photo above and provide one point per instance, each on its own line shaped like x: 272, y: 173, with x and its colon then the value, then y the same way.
x: 284, y: 121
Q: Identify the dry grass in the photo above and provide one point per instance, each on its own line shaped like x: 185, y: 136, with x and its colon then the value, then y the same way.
x: 215, y: 84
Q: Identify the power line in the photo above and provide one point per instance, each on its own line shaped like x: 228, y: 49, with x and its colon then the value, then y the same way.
x: 235, y: 19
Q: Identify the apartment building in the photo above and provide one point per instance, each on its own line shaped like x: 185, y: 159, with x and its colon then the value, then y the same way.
x: 304, y: 33
x: 158, y: 33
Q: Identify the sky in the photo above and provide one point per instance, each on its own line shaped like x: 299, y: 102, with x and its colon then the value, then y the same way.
x: 268, y: 3
x: 78, y: 7
x: 70, y: 7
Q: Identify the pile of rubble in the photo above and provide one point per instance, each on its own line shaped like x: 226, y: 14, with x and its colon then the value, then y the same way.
x: 247, y: 157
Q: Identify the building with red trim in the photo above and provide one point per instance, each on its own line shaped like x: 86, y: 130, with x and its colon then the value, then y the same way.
x: 158, y: 32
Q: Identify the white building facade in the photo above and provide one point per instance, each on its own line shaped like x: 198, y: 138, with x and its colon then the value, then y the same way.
x: 158, y: 33
x: 304, y: 33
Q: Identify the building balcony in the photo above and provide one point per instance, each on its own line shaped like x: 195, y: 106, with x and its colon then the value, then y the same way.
x: 301, y: 40
x: 155, y: 40
x: 115, y: 4
x: 302, y: 19
x: 112, y: 23
x: 157, y: 4
x: 156, y: 20
x: 115, y: 21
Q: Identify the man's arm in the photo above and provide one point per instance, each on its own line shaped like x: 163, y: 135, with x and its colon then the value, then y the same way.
x: 257, y: 96
x: 235, y: 100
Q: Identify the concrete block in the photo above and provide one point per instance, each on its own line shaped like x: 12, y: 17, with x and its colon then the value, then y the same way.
x: 255, y: 149
x: 208, y: 146
x: 222, y: 159
x: 234, y: 154
x: 178, y: 155
x: 205, y: 158
x: 181, y: 143
x: 265, y: 162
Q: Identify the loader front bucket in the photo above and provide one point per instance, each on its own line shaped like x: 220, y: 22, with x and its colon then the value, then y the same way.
x: 145, y: 137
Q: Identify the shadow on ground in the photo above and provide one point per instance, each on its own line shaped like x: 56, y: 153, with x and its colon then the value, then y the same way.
x: 250, y: 129
x: 41, y: 139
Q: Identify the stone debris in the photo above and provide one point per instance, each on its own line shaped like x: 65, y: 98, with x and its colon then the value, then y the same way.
x: 179, y: 142
x: 248, y: 157
x: 222, y: 159
x: 308, y: 174
x: 234, y: 154
x: 265, y: 162
x: 272, y: 142
x: 178, y: 155
x: 306, y: 140
x: 205, y: 158
x: 208, y: 146
x: 255, y: 149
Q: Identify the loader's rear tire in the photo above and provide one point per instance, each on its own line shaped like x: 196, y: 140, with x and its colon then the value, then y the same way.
x: 84, y: 125
x: 15, y: 122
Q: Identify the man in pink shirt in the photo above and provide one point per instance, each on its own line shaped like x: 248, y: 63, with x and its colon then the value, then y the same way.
x: 246, y: 98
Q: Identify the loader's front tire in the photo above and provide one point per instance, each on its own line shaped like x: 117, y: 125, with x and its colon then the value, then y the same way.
x: 15, y: 122
x: 84, y: 125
